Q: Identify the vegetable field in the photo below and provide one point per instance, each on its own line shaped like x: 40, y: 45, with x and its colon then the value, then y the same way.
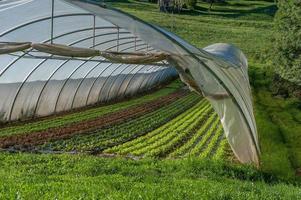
x: 196, y: 132
x: 169, y: 123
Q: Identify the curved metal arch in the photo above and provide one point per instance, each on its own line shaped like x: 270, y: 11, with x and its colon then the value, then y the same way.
x: 46, y: 83
x: 83, y: 80
x: 26, y: 78
x: 152, y: 76
x: 120, y: 74
x: 105, y: 81
x: 87, y: 74
x: 166, y: 72
x: 45, y: 41
x: 94, y: 80
x: 93, y: 85
x: 164, y: 77
x: 163, y: 74
x: 157, y: 73
x: 67, y: 79
x: 113, y: 82
x: 86, y: 29
x: 145, y: 82
x: 42, y: 19
x: 13, y: 4
x: 109, y: 76
x: 37, y: 67
x: 134, y: 74
x: 79, y: 85
x: 129, y: 82
x: 65, y: 82
x: 137, y: 45
x: 64, y: 34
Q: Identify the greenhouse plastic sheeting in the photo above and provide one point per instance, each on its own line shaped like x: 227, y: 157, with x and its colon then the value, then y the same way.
x: 36, y: 87
x: 217, y: 70
x: 36, y: 84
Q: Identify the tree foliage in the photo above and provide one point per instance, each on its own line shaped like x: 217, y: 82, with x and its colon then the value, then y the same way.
x: 287, y: 44
x: 191, y: 4
x: 176, y: 5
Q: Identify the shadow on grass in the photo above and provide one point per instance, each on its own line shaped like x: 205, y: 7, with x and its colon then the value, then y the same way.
x: 113, y: 1
x: 231, y: 13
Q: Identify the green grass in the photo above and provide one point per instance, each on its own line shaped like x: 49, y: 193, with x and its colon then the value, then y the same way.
x: 246, y: 24
x: 286, y: 116
x: 31, y: 176
x: 278, y: 122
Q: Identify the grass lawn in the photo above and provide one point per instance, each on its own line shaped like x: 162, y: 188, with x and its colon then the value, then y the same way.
x: 279, y: 127
x: 247, y: 24
x: 26, y: 176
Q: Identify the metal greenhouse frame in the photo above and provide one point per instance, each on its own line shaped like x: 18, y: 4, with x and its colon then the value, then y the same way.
x: 35, y: 83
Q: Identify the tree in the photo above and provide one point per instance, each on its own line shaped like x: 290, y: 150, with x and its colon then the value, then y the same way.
x: 213, y: 1
x: 191, y: 4
x: 176, y: 5
x: 287, y: 44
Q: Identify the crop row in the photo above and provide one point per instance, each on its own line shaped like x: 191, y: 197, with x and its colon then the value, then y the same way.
x: 213, y: 144
x: 88, y: 114
x: 100, y: 139
x: 167, y: 138
x: 220, y: 152
x: 196, y: 139
x: 208, y: 142
x: 208, y: 134
x: 175, y: 137
x: 196, y: 132
x: 139, y: 142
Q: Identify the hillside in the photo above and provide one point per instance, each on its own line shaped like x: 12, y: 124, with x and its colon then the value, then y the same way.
x: 167, y: 143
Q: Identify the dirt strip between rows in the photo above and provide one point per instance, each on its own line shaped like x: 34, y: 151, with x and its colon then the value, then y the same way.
x: 28, y: 140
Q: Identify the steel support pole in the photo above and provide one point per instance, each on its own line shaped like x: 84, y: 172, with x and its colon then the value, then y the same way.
x: 52, y: 19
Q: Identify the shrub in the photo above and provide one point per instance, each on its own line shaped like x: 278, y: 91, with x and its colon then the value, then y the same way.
x: 191, y: 4
x: 287, y: 41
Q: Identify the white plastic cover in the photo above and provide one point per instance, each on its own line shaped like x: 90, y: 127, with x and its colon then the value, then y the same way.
x: 36, y: 84
x: 219, y: 70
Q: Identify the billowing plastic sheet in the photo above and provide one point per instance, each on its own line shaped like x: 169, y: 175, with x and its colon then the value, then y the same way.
x: 218, y: 71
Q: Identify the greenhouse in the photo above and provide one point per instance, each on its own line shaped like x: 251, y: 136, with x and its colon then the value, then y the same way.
x: 131, y: 56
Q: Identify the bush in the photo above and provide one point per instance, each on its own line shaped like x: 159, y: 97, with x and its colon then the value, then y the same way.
x: 287, y: 44
x: 191, y: 4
